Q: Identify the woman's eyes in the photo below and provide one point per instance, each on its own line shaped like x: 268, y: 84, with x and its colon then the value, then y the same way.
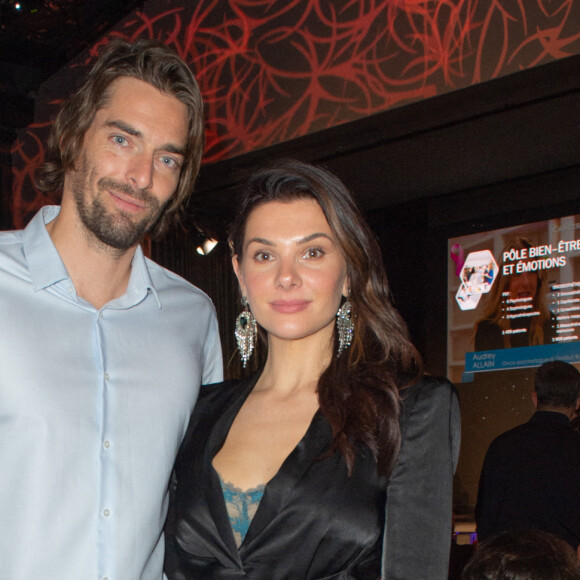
x: 263, y: 256
x: 309, y: 254
x: 313, y: 253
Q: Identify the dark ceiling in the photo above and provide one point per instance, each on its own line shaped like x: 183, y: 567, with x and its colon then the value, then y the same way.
x: 503, y: 137
x: 37, y: 37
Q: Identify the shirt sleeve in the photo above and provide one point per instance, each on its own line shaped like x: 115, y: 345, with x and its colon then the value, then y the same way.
x: 213, y: 363
x: 418, y: 523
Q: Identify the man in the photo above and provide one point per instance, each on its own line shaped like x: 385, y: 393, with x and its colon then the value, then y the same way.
x: 102, y: 351
x: 531, y: 474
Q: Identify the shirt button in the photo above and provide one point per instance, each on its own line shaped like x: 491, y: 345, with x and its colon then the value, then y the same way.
x: 106, y: 376
x: 106, y: 444
x: 106, y: 513
x: 105, y: 578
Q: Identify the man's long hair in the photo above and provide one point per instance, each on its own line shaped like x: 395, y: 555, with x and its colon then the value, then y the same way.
x: 145, y: 60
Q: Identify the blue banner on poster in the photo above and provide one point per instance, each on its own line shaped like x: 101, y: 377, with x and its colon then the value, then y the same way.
x: 520, y: 358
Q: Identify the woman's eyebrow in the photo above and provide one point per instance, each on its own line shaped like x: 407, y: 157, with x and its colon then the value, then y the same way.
x: 313, y: 237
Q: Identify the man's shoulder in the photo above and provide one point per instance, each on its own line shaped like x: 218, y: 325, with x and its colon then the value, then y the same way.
x: 516, y: 432
x: 510, y: 439
x: 11, y: 250
x: 535, y: 431
x: 10, y: 239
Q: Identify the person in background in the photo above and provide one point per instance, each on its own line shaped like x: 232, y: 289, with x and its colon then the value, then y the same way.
x: 494, y: 330
x: 292, y: 473
x: 522, y: 555
x: 575, y: 423
x: 531, y: 474
x: 102, y: 351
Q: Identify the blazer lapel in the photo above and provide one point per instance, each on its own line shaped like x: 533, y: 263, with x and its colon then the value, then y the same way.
x: 216, y: 502
x: 279, y: 489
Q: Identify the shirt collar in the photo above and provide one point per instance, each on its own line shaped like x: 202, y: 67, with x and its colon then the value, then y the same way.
x: 140, y: 283
x: 550, y: 416
x: 46, y: 267
x: 44, y: 263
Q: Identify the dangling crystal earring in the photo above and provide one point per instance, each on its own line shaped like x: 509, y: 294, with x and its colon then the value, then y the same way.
x: 345, y: 326
x: 246, y: 331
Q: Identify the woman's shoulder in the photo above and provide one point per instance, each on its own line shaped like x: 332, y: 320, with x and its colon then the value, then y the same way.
x: 431, y: 401
x: 217, y: 390
x: 216, y: 395
x: 430, y: 412
x: 212, y: 401
x: 428, y: 387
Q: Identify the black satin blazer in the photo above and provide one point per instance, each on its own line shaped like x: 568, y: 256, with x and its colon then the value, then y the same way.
x: 313, y: 523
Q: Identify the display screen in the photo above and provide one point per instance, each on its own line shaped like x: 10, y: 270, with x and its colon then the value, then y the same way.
x: 514, y: 298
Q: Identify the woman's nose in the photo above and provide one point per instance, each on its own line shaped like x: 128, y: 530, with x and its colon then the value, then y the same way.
x: 287, y: 274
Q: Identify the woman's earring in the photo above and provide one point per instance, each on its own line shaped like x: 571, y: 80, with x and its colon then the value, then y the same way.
x: 345, y: 326
x: 246, y: 331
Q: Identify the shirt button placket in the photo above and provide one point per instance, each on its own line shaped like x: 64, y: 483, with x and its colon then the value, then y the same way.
x: 106, y: 508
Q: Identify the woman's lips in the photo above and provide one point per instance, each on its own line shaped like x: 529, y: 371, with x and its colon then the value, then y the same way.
x: 289, y: 306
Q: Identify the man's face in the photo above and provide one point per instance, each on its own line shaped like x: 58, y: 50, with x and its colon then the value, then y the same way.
x: 129, y: 167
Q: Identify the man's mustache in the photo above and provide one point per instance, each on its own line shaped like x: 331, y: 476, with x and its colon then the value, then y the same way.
x: 124, y: 188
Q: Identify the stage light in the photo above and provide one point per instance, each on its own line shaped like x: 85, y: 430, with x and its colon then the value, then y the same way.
x: 202, y: 242
x: 206, y: 246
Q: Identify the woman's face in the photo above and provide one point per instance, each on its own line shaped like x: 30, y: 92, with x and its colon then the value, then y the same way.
x: 292, y: 271
x: 523, y: 285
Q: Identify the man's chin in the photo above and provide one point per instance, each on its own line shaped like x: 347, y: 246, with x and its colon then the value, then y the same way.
x: 122, y: 236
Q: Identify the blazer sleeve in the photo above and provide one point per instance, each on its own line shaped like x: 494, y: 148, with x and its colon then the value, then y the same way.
x: 418, y: 522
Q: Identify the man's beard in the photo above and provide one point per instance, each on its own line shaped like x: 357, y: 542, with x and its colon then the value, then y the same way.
x: 116, y: 230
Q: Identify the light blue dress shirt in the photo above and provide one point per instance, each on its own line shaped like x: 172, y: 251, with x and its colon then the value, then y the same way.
x: 93, y: 407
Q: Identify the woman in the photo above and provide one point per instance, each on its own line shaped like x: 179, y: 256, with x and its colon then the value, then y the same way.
x: 284, y: 475
x: 525, y: 293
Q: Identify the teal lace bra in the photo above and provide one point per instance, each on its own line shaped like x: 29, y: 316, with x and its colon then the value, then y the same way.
x: 241, y: 506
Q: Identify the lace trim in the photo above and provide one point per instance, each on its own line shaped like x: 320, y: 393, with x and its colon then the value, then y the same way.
x: 241, y: 506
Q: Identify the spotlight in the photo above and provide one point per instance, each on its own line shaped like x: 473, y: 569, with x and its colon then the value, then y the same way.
x: 203, y: 243
x: 206, y: 246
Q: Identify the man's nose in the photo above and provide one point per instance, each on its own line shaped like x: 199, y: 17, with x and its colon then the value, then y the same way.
x: 140, y: 171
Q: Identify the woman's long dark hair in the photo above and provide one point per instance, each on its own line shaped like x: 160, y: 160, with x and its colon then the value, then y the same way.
x: 358, y: 392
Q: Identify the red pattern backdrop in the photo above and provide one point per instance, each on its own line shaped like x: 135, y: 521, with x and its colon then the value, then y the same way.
x: 274, y: 70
